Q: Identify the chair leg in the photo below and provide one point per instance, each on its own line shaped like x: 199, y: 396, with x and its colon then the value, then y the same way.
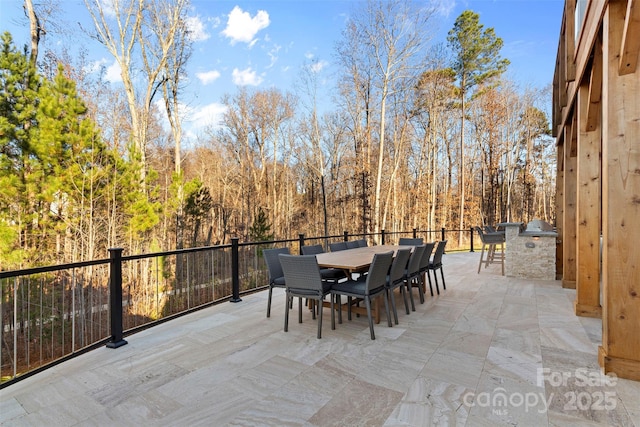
x: 320, y: 319
x: 435, y: 277
x: 429, y: 279
x: 408, y: 284
x: 444, y: 285
x: 392, y: 300
x: 286, y: 313
x: 490, y: 255
x: 420, y: 291
x: 299, y: 310
x: 405, y: 298
x: 367, y: 301
x: 333, y: 313
x: 269, y: 302
x: 339, y: 299
x: 349, y: 301
x: 479, y: 264
x: 386, y: 307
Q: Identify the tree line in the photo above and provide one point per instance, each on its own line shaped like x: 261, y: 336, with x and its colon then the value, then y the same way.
x: 421, y: 135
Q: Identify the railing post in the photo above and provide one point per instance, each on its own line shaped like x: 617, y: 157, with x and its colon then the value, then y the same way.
x: 415, y: 233
x: 235, y: 270
x: 346, y: 236
x: 382, y: 234
x: 115, y: 297
x: 442, y: 233
x: 301, y: 242
x: 471, y: 231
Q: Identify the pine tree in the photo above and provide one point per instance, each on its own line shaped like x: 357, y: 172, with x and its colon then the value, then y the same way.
x: 260, y: 230
x: 18, y: 109
x: 477, y: 60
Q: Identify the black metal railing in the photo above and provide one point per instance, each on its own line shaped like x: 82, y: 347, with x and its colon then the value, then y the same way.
x: 50, y: 314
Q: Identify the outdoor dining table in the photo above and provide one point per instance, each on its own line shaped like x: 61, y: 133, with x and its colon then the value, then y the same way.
x: 357, y: 260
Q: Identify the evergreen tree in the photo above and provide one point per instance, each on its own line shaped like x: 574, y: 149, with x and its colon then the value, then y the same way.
x: 48, y: 152
x: 476, y: 61
x: 260, y: 230
x: 197, y: 207
x: 19, y: 101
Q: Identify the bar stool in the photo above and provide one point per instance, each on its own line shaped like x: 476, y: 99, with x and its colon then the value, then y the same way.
x: 490, y: 241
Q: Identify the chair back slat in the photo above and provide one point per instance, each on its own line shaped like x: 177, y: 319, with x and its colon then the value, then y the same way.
x: 490, y: 238
x: 337, y: 246
x: 377, y: 275
x: 273, y: 262
x: 437, y: 256
x: 426, y: 255
x: 312, y: 249
x: 301, y: 272
x: 398, y: 266
x: 410, y: 241
x: 414, y: 261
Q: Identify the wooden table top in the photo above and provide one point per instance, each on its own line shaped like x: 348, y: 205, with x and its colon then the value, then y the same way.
x: 356, y: 259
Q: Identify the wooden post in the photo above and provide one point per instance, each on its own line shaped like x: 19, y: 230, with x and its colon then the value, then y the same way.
x: 569, y: 222
x: 560, y: 211
x: 620, y: 350
x: 587, y: 302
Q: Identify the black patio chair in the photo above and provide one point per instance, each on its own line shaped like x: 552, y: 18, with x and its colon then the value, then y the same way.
x: 436, y: 264
x: 332, y: 275
x: 395, y: 279
x: 367, y: 288
x: 303, y: 280
x: 412, y: 276
x: 424, y: 266
x: 276, y: 276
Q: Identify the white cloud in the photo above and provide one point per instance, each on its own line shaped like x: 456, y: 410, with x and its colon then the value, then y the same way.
x: 443, y: 7
x: 95, y: 66
x: 194, y: 119
x: 113, y: 73
x: 196, y: 27
x: 108, y: 8
x: 208, y: 77
x: 246, y: 77
x: 273, y: 54
x: 241, y: 27
x: 207, y: 116
x: 318, y: 66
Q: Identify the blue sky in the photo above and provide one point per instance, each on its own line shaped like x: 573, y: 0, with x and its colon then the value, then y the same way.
x: 263, y: 44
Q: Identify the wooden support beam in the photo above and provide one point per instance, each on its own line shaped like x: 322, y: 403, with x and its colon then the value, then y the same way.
x: 560, y: 210
x: 620, y: 350
x: 570, y: 39
x: 569, y: 217
x: 587, y: 302
x: 562, y: 48
x: 573, y: 136
x: 593, y: 114
x: 630, y: 46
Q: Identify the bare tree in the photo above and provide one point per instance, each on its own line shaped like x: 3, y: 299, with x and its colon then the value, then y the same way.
x: 254, y: 134
x: 389, y: 37
x: 140, y: 35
